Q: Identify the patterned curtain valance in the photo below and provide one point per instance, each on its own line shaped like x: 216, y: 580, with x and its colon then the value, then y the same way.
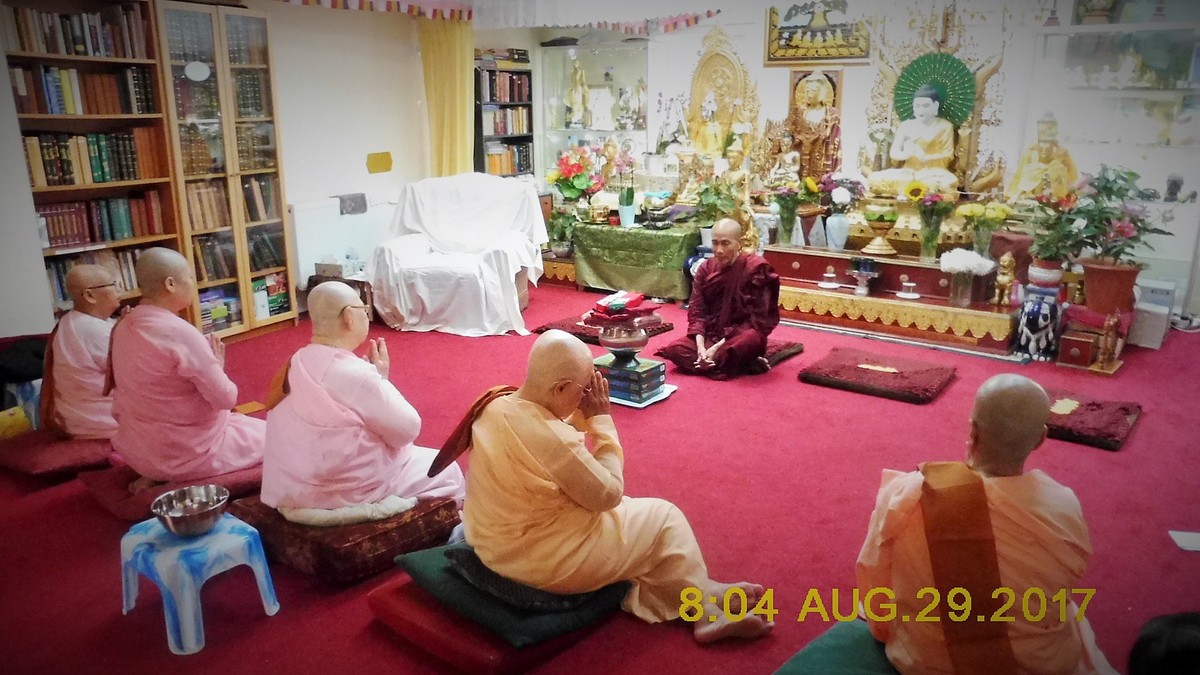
x: 433, y: 9
x: 625, y: 16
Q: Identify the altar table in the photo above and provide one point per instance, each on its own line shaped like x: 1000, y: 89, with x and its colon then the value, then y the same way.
x: 635, y: 259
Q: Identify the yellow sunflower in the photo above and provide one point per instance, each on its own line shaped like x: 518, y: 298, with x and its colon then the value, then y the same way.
x: 915, y: 190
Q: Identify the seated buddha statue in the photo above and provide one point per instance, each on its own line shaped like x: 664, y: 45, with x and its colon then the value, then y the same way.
x: 691, y: 177
x: 787, y: 165
x: 923, y: 148
x: 1045, y: 165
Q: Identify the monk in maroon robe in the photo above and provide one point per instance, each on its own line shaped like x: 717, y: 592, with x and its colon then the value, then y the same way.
x: 734, y: 307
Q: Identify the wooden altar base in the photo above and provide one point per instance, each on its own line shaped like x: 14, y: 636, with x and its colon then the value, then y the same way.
x: 982, y: 327
x: 558, y: 271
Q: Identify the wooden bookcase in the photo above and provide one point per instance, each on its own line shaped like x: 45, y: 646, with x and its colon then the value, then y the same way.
x: 503, y: 120
x: 90, y: 105
x: 220, y: 114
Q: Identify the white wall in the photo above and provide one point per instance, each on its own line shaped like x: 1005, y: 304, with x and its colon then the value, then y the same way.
x: 24, y: 290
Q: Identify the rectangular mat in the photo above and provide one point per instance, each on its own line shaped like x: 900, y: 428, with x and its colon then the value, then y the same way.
x: 591, y: 334
x: 891, y: 377
x: 1079, y: 418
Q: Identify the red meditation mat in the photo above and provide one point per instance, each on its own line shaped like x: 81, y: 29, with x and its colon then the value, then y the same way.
x: 779, y: 351
x: 1100, y: 424
x: 591, y: 334
x: 891, y: 377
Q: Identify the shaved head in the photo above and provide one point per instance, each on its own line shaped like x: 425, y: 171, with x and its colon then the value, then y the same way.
x: 727, y: 227
x: 556, y: 356
x: 153, y: 268
x: 325, y: 304
x: 81, y: 277
x: 1009, y: 418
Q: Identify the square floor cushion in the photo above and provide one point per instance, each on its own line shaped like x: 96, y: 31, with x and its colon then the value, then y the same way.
x: 433, y: 571
x: 38, y: 453
x: 846, y: 649
x: 882, y: 375
x: 347, y: 553
x: 1080, y: 418
x: 110, y: 487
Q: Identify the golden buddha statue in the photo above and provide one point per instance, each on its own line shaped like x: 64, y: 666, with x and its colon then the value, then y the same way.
x: 691, y: 177
x: 736, y: 176
x: 609, y: 169
x: 578, y: 100
x: 923, y: 147
x: 786, y: 170
x: 708, y: 136
x: 815, y: 125
x: 1045, y: 165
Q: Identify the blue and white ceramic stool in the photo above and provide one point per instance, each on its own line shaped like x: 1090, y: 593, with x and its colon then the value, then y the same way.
x: 179, y: 566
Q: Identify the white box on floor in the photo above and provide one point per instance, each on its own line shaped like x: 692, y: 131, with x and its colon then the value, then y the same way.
x: 1150, y: 325
x: 1157, y: 292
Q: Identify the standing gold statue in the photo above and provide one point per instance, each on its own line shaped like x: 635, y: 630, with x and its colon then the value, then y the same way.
x: 1109, y: 339
x: 1006, y: 273
x: 816, y: 126
x: 578, y: 100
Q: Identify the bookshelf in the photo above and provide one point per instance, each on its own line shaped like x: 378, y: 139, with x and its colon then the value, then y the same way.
x: 503, y: 120
x: 230, y: 188
x: 87, y: 88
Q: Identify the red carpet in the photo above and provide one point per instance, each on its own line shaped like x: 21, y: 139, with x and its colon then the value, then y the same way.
x: 777, y: 479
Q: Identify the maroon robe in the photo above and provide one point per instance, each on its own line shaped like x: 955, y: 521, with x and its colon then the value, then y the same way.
x: 738, y: 303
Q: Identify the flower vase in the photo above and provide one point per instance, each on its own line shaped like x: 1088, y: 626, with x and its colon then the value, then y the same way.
x: 961, y: 285
x: 628, y: 215
x: 787, y: 223
x: 931, y: 229
x: 983, y: 242
x: 837, y: 230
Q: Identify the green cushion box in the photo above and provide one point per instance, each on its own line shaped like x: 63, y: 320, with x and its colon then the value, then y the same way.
x: 846, y: 649
x: 433, y: 571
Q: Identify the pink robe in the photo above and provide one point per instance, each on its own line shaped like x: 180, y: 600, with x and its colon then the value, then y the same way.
x: 344, y: 436
x: 80, y: 365
x: 1041, y: 542
x: 172, y: 402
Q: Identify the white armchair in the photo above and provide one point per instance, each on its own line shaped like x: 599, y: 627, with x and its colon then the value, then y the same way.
x: 460, y: 244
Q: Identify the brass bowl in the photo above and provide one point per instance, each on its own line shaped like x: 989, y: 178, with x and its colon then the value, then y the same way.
x: 624, y: 342
x: 191, y: 511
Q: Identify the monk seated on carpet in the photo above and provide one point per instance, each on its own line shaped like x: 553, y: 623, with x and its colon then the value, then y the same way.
x: 339, y: 446
x: 545, y: 511
x: 74, y: 404
x: 993, y: 529
x: 734, y: 307
x: 171, y: 396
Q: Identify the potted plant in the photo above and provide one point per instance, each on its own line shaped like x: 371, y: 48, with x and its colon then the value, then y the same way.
x: 716, y: 201
x: 1114, y: 224
x: 560, y: 230
x: 1056, y: 239
x: 576, y: 174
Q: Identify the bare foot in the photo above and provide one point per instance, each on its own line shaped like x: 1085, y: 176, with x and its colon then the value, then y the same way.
x: 143, y: 483
x: 749, y: 628
x: 753, y: 593
x: 759, y: 366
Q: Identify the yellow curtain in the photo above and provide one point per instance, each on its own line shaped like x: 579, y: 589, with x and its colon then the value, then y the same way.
x: 448, y: 60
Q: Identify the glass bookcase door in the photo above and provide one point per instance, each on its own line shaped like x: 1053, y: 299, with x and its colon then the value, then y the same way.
x: 257, y: 166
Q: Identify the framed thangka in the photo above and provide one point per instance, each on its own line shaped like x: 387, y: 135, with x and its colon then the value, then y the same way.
x: 815, y: 119
x: 806, y: 32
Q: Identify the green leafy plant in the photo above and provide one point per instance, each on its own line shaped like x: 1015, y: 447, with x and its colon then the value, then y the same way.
x: 562, y: 225
x: 716, y: 201
x: 625, y: 196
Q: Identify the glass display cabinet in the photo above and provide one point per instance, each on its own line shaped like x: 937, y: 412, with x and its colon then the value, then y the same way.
x: 589, y: 93
x: 1129, y: 95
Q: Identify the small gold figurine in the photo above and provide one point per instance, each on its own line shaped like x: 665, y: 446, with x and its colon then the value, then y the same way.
x: 1005, y: 275
x: 1108, y: 340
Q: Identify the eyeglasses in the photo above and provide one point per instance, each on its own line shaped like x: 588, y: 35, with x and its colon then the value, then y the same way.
x: 586, y: 390
x: 111, y: 284
x: 362, y: 307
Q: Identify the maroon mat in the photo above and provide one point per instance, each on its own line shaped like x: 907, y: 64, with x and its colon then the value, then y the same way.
x: 891, y: 377
x: 779, y: 351
x: 591, y: 334
x: 110, y: 487
x: 1100, y: 424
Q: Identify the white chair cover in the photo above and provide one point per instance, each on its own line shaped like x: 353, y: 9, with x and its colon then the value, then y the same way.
x: 459, y: 243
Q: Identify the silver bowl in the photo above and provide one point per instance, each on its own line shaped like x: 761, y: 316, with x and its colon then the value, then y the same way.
x: 191, y: 511
x: 624, y: 341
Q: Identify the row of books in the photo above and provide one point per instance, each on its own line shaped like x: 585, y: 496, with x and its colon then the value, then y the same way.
x: 190, y: 37
x: 118, y: 32
x: 261, y: 196
x: 253, y: 93
x: 215, y: 257
x: 503, y: 54
x: 256, y: 146
x: 501, y: 87
x: 63, y: 159
x: 270, y: 293
x: 266, y: 248
x: 247, y: 38
x: 195, y: 100
x: 502, y: 121
x: 101, y: 220
x: 506, y: 160
x: 220, y: 308
x: 208, y: 205
x: 197, y: 154
x: 49, y: 90
x: 118, y: 263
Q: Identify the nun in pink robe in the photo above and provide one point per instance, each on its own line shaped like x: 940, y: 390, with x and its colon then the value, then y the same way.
x: 80, y: 363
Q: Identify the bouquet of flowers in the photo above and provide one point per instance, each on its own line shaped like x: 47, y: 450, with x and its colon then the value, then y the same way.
x: 623, y: 166
x: 577, y: 173
x: 965, y: 261
x: 843, y: 190
x: 933, y: 208
x: 787, y: 200
x: 983, y: 220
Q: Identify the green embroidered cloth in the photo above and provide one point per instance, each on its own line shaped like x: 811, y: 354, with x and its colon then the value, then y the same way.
x: 635, y: 259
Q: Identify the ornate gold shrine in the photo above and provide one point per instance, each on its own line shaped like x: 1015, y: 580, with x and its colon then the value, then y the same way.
x: 939, y: 34
x: 722, y: 99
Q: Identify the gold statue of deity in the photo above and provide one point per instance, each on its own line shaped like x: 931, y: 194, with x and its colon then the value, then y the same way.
x: 1045, y: 166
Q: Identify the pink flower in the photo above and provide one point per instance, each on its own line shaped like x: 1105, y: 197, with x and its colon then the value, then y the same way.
x: 1124, y: 229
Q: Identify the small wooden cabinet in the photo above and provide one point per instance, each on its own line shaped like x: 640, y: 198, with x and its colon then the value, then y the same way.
x: 221, y: 112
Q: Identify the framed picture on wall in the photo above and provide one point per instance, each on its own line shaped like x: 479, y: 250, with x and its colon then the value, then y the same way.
x: 814, y: 118
x: 805, y: 32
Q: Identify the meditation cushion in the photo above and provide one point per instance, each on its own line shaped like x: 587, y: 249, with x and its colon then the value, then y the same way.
x: 1079, y: 418
x: 846, y: 649
x: 891, y: 377
x: 39, y: 453
x: 110, y: 487
x: 468, y: 565
x: 432, y: 570
x: 347, y: 553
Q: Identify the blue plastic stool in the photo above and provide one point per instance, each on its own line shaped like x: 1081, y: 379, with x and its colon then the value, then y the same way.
x: 179, y: 566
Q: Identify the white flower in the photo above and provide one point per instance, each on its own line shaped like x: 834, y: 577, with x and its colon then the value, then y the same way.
x: 960, y: 260
x: 841, y: 196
